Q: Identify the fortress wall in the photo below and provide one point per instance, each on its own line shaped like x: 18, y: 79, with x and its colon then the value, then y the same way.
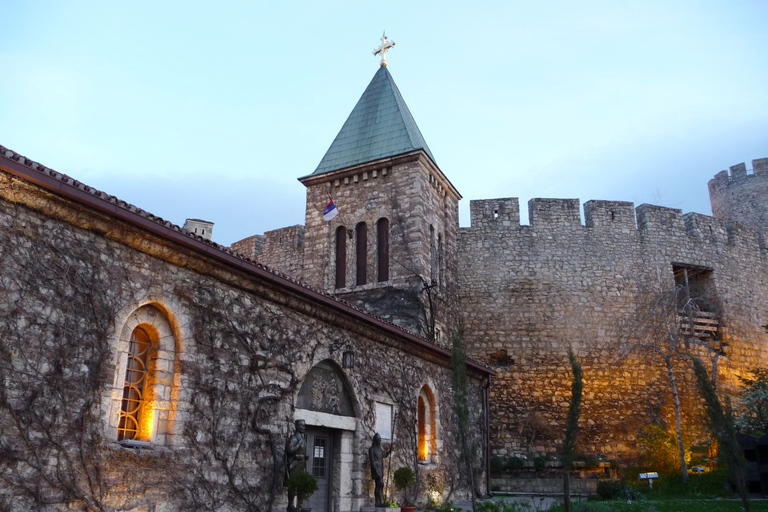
x: 284, y: 249
x: 529, y: 292
x: 251, y: 247
x: 740, y: 196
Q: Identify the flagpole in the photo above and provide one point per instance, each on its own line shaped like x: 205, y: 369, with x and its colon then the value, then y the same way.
x: 350, y: 231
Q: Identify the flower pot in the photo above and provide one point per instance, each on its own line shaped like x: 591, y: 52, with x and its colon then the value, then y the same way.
x: 407, y: 509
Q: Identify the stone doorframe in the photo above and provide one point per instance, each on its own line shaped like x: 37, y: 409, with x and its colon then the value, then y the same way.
x: 349, y: 480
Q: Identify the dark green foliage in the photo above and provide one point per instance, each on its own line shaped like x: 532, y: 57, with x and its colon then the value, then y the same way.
x: 302, y: 485
x: 540, y: 462
x: 404, y: 479
x: 503, y: 506
x: 446, y: 507
x: 609, y: 489
x: 753, y: 410
x: 659, y: 450
x: 722, y: 426
x: 572, y: 425
x: 574, y: 411
x: 515, y: 463
x: 497, y: 464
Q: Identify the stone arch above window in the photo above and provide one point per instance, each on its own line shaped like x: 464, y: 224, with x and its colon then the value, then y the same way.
x: 325, y: 390
x: 382, y: 249
x: 143, y: 390
x: 427, y: 425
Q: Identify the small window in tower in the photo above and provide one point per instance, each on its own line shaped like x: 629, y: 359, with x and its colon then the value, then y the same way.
x: 341, y: 257
x: 361, y: 234
x: 382, y: 249
x: 495, y: 213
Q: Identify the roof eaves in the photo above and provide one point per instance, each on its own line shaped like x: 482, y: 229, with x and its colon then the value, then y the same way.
x: 73, y: 189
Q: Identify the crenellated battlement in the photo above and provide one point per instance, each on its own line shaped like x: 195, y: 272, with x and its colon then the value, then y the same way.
x: 738, y: 174
x: 740, y: 196
x: 606, y: 219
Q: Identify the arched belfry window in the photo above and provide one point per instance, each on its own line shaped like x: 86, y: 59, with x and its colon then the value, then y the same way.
x: 142, y: 399
x: 135, y: 385
x: 382, y: 249
x: 440, y: 260
x: 432, y: 254
x: 426, y: 425
x: 341, y: 257
x: 361, y: 239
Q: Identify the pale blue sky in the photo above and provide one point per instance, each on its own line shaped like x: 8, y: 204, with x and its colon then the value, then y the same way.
x: 213, y: 109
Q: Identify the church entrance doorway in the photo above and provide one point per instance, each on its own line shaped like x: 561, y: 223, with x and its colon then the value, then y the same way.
x: 325, y: 402
x: 320, y: 465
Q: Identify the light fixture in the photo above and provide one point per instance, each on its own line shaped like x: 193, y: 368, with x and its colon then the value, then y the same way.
x: 347, y: 357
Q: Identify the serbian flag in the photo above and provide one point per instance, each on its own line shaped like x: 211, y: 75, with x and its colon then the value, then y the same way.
x: 330, y: 210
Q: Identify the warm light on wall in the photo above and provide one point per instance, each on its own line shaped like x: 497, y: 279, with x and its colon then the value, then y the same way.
x: 423, y: 437
x: 147, y: 427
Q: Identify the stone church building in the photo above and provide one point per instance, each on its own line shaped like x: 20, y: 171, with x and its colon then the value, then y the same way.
x: 144, y: 367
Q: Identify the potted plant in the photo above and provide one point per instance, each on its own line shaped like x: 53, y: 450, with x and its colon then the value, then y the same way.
x: 405, y: 480
x: 302, y: 485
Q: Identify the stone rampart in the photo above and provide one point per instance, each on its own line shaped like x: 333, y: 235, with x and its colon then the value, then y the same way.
x: 251, y: 247
x: 741, y: 196
x: 528, y: 292
x: 284, y: 249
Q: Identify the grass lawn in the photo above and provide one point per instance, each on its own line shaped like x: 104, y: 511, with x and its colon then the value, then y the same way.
x: 667, y: 505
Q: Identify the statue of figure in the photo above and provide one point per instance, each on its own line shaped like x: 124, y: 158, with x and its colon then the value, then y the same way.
x: 376, y: 455
x: 295, y: 456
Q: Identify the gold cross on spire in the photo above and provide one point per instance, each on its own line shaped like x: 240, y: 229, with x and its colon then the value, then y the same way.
x: 385, y: 45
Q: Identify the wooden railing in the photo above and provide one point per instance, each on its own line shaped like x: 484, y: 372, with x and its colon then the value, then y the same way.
x: 701, y: 324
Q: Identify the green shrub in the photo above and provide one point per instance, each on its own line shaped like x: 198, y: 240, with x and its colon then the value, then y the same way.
x: 503, y: 506
x: 515, y: 463
x: 539, y: 462
x: 302, y: 485
x: 630, y: 493
x: 404, y: 478
x: 608, y: 489
x: 497, y: 464
x: 445, y: 507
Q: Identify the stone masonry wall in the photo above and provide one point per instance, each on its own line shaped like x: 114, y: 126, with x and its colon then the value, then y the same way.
x: 527, y: 293
x: 72, y: 278
x: 741, y: 197
x: 408, y: 191
x: 285, y: 246
x: 251, y: 247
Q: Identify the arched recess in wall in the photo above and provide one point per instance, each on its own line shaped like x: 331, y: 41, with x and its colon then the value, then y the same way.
x: 382, y: 249
x: 341, y: 257
x: 361, y: 253
x: 427, y: 425
x: 145, y: 386
x: 326, y: 399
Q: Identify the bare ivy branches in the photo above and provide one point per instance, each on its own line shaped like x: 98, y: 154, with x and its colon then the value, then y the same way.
x: 58, y: 301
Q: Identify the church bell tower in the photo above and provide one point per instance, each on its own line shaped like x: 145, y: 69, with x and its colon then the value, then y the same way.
x: 381, y: 218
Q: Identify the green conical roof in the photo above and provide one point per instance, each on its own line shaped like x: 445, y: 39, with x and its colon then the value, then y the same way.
x: 379, y: 126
